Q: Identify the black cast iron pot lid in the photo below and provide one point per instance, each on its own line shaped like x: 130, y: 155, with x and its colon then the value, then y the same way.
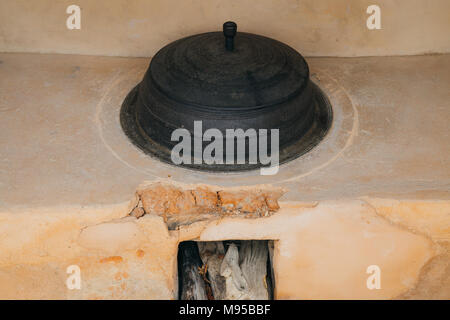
x: 211, y: 85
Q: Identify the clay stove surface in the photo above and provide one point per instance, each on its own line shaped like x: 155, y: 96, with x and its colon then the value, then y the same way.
x: 375, y: 191
x: 61, y: 143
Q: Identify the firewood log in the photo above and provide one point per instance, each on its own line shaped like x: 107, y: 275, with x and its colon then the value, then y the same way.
x: 192, y: 285
x: 212, y: 254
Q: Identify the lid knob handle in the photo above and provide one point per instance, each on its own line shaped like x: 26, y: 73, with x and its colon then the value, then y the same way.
x: 229, y: 31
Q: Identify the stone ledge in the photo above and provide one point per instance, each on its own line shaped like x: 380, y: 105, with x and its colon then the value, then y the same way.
x: 322, y: 253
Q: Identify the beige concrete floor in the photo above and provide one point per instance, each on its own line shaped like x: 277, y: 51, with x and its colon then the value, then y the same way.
x: 61, y: 142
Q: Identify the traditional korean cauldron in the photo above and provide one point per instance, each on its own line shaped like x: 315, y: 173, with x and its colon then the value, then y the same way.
x: 226, y: 80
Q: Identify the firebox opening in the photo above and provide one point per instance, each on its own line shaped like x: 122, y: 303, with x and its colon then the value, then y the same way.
x: 226, y: 270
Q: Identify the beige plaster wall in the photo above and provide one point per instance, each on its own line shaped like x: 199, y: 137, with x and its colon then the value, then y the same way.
x: 323, y: 253
x: 141, y: 27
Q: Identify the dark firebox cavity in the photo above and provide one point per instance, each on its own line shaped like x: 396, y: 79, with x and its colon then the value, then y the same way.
x: 226, y: 270
x: 227, y: 81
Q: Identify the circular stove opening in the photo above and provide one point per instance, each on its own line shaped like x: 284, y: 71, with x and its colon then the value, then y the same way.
x: 226, y: 102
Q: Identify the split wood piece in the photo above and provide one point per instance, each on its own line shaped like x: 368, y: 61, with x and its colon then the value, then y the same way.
x: 192, y: 285
x: 253, y: 256
x: 245, y: 271
x: 236, y: 287
x: 271, y: 279
x: 212, y: 254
